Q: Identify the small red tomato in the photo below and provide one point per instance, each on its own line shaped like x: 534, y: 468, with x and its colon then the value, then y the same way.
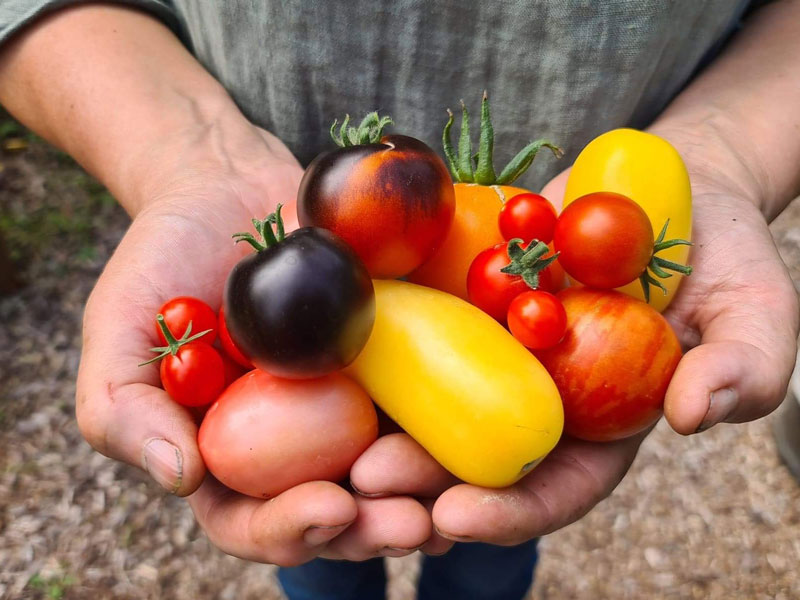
x: 227, y: 343
x: 605, y: 240
x: 180, y: 311
x: 529, y: 217
x: 492, y: 290
x: 195, y: 376
x: 613, y: 366
x: 537, y: 319
x: 231, y: 369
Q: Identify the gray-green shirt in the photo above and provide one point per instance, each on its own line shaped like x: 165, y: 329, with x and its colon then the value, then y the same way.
x: 562, y: 69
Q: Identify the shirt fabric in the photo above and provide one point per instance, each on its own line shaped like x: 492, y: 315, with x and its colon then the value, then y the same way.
x: 565, y: 70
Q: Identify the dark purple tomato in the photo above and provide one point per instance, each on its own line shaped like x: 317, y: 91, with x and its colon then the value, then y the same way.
x: 302, y: 306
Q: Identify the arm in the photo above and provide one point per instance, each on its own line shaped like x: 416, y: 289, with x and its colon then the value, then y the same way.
x: 115, y: 88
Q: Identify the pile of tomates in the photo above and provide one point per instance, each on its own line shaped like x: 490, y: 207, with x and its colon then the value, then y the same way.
x: 474, y: 315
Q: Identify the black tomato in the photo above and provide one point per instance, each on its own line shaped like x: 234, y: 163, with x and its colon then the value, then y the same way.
x: 302, y: 305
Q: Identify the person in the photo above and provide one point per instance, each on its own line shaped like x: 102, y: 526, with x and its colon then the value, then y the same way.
x: 194, y: 115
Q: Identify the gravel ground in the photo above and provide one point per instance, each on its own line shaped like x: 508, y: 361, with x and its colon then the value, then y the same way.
x: 712, y: 516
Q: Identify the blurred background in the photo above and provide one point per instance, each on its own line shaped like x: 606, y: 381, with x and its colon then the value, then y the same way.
x: 710, y: 516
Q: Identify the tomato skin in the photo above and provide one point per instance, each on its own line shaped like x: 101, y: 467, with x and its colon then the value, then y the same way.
x: 392, y: 202
x: 491, y: 290
x: 605, y: 240
x: 179, y: 311
x: 194, y: 376
x: 613, y: 366
x: 473, y: 230
x: 648, y: 170
x: 537, y: 319
x: 459, y: 384
x: 529, y: 217
x: 265, y: 434
x: 228, y: 345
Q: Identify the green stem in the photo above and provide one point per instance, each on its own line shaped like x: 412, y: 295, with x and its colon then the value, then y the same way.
x: 658, y: 267
x: 528, y: 262
x: 173, y: 344
x: 369, y: 131
x: 264, y: 230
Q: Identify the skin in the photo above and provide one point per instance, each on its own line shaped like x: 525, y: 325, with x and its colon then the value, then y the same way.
x: 186, y: 164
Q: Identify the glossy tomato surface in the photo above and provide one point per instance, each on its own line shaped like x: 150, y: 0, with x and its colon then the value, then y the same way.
x: 301, y: 308
x: 604, y: 240
x: 228, y: 346
x: 194, y: 376
x: 537, y: 319
x: 265, y: 434
x: 613, y: 366
x: 392, y: 202
x: 529, y: 217
x: 182, y: 310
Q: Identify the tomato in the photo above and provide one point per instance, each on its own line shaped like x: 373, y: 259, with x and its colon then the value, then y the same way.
x: 227, y: 343
x: 180, y: 311
x: 194, y: 376
x: 537, y: 319
x: 528, y: 216
x: 613, y: 366
x: 491, y: 290
x: 459, y: 384
x: 391, y: 200
x: 649, y: 171
x: 479, y: 196
x: 604, y: 240
x: 231, y: 370
x: 301, y: 305
x: 265, y: 434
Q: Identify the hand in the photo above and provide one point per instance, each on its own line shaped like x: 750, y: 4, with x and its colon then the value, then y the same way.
x: 201, y: 190
x: 738, y: 313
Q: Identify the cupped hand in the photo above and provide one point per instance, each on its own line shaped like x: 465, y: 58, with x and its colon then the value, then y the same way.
x: 180, y: 243
x: 737, y: 319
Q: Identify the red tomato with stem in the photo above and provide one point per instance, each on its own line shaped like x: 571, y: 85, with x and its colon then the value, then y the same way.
x: 604, y: 240
x: 528, y: 216
x: 228, y: 345
x: 181, y: 311
x: 613, y: 366
x: 492, y: 291
x: 537, y: 319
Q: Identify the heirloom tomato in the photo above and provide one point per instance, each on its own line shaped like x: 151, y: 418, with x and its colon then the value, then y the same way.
x: 479, y: 196
x: 389, y: 197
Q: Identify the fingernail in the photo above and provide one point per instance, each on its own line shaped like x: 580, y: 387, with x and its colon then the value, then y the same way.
x: 164, y: 462
x: 366, y: 495
x: 317, y: 534
x: 455, y: 538
x: 397, y: 552
x: 721, y: 404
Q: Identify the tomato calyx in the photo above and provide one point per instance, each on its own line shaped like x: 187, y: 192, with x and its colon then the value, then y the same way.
x: 369, y: 131
x: 264, y: 229
x: 528, y: 262
x: 482, y: 171
x: 173, y: 344
x: 659, y: 266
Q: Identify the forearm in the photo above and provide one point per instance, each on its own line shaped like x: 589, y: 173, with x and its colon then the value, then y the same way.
x: 115, y: 89
x: 746, y: 105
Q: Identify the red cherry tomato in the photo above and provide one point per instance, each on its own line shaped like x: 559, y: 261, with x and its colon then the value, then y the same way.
x: 537, y: 319
x: 179, y: 311
x: 605, y: 240
x: 227, y: 343
x: 231, y: 369
x: 195, y: 376
x: 491, y: 290
x: 528, y: 216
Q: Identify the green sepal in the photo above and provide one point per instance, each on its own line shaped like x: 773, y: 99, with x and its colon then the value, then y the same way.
x: 520, y: 163
x: 528, y: 262
x: 484, y: 173
x: 465, y: 148
x: 173, y: 344
x: 264, y: 229
x: 448, y: 147
x: 658, y: 266
x: 369, y: 131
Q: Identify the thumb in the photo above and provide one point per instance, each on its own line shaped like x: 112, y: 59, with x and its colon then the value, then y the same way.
x: 741, y: 369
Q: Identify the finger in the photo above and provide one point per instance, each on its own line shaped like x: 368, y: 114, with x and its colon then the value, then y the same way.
x: 555, y: 188
x: 394, y: 526
x: 569, y: 482
x: 437, y: 545
x: 741, y: 369
x: 287, y: 530
x: 395, y: 464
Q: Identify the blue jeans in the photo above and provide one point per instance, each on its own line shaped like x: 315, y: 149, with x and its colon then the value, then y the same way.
x: 468, y: 572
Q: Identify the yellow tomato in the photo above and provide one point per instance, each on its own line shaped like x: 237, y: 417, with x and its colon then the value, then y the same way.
x: 649, y: 170
x: 459, y: 383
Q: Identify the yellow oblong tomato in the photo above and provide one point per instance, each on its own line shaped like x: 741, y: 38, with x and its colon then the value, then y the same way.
x: 453, y: 378
x: 647, y: 169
